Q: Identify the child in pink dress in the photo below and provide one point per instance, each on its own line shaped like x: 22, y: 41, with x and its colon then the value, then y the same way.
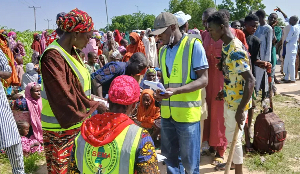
x: 29, y: 145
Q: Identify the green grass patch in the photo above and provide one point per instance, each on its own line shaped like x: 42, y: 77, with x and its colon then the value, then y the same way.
x: 30, y: 162
x: 288, y: 160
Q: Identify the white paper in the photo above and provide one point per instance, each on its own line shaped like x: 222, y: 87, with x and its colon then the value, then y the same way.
x: 160, y: 158
x: 103, y: 101
x: 156, y: 86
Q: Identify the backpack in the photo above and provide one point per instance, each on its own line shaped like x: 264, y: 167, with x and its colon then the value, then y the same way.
x: 269, y: 133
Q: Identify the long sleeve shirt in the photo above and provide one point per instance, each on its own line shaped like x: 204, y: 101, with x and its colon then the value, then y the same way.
x: 292, y: 39
x: 265, y: 35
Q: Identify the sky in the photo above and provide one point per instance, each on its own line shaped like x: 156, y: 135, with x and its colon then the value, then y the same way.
x: 16, y: 14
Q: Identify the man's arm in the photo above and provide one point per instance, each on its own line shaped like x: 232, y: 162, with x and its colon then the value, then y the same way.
x: 97, y: 88
x: 200, y: 83
x: 269, y: 45
x: 248, y: 90
x: 284, y: 15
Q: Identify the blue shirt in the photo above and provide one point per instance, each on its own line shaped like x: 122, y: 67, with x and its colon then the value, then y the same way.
x: 199, y: 60
x: 108, y: 73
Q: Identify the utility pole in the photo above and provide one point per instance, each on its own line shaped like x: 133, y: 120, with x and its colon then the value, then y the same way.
x: 106, y: 14
x: 34, y: 16
x: 137, y: 22
x: 48, y: 22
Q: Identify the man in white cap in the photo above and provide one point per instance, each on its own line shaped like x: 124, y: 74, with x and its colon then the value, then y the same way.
x: 183, y: 19
x: 184, y: 73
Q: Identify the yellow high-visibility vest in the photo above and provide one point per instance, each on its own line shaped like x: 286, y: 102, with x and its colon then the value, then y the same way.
x: 182, y: 107
x: 49, y: 122
x: 114, y: 158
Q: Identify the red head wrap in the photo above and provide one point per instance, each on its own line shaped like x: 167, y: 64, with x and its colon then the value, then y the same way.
x: 124, y: 90
x: 76, y: 21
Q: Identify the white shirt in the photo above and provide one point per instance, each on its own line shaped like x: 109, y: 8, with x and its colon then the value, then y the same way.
x: 292, y: 39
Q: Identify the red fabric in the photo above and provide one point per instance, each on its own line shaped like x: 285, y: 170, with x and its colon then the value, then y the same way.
x: 118, y: 37
x: 50, y: 38
x: 103, y: 129
x: 240, y: 35
x: 13, y: 79
x: 76, y: 21
x: 148, y: 116
x: 214, y: 129
x: 131, y: 49
x: 58, y: 147
x: 36, y: 45
x: 124, y: 90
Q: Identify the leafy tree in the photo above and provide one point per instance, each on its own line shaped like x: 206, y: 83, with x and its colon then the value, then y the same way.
x: 131, y: 22
x: 280, y: 22
x: 195, y: 8
x: 241, y: 8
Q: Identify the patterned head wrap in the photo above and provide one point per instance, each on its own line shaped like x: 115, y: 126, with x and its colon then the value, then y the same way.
x: 76, y: 21
x: 124, y: 90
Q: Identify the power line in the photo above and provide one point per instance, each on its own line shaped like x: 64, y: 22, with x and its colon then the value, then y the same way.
x: 34, y: 2
x: 48, y: 22
x: 34, y: 16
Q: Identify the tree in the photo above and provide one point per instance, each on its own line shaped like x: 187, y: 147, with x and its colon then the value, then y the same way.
x: 241, y: 8
x: 131, y: 22
x: 195, y: 8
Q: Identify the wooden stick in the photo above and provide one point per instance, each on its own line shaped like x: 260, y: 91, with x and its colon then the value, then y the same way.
x: 232, y: 147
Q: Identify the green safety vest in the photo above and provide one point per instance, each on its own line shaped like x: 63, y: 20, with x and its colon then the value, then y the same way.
x: 182, y: 107
x: 49, y: 122
x: 114, y: 158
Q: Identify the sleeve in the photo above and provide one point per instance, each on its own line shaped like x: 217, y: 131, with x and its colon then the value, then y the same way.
x: 278, y: 34
x: 199, y: 60
x: 287, y: 19
x: 72, y: 167
x: 4, y: 66
x: 269, y: 45
x: 239, y: 62
x: 146, y: 160
x: 107, y: 72
x: 291, y: 34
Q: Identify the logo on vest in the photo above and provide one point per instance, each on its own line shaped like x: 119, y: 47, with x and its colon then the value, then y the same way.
x: 175, y: 70
x: 102, y: 159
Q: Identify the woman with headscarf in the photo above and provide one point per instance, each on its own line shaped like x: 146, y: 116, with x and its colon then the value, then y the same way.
x: 4, y: 46
x: 136, y: 45
x: 118, y: 36
x: 29, y: 76
x: 150, y: 75
x: 127, y: 36
x: 34, y: 103
x: 150, y: 48
x: 66, y: 90
x: 43, y: 41
x: 147, y: 111
x: 16, y: 46
x: 91, y: 46
x: 36, y: 45
x: 109, y: 45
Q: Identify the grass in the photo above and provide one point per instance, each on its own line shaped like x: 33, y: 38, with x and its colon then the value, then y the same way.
x: 286, y: 161
x: 30, y: 162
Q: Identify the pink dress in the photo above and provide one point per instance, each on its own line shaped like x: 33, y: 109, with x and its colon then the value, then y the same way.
x: 28, y: 142
x: 214, y: 129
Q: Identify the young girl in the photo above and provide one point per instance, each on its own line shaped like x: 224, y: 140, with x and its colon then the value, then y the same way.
x: 34, y: 103
x: 147, y: 111
x: 29, y: 145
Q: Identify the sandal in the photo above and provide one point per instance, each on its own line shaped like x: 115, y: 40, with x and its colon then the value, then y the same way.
x: 222, y: 166
x: 217, y: 161
x: 249, y: 150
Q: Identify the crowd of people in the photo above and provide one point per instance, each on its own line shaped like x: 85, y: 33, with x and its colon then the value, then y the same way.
x: 82, y: 99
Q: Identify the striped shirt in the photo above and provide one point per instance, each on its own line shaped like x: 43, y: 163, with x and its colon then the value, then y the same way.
x: 9, y: 134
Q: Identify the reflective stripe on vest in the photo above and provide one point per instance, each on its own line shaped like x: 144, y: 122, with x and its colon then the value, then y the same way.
x: 182, y: 107
x: 49, y: 122
x: 126, y: 156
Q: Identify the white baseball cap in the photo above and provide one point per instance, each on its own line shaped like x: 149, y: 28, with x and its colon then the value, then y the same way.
x: 182, y: 18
